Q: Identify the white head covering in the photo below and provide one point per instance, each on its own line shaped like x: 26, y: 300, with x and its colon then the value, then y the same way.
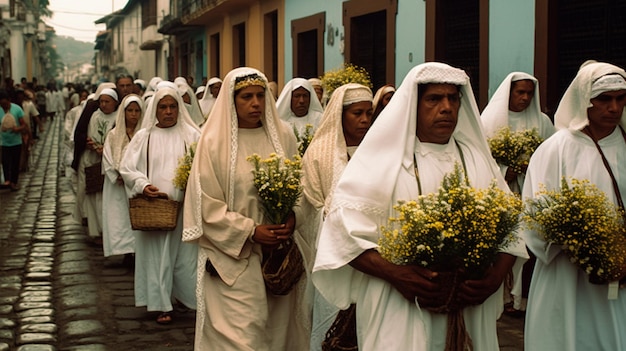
x: 380, y: 93
x: 180, y: 80
x: 150, y: 121
x: 200, y: 89
x: 396, y: 131
x: 208, y: 100
x: 141, y: 83
x: 327, y: 156
x: 101, y: 87
x: 496, y: 113
x: 283, y: 104
x: 193, y: 107
x: 118, y: 136
x: 110, y: 92
x: 572, y: 110
x: 152, y: 87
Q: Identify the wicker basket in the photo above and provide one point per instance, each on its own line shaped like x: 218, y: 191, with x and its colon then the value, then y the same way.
x: 283, y: 268
x: 94, y: 179
x: 153, y: 213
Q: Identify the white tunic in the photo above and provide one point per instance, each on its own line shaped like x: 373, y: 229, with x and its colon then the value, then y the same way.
x: 565, y: 311
x: 165, y: 267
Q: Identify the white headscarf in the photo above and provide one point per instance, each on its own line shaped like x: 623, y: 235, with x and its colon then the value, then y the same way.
x: 208, y: 100
x: 110, y: 92
x: 327, y: 155
x: 152, y: 87
x: 380, y: 93
x: 496, y: 114
x: 572, y: 110
x: 283, y: 104
x: 101, y: 87
x: 193, y: 107
x: 150, y: 121
x: 118, y: 136
x: 395, y: 128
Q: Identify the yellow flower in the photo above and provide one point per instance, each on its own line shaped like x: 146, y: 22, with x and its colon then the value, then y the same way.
x: 184, y: 167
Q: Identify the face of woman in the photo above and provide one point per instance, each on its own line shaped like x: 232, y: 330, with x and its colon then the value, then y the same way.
x: 250, y: 106
x: 386, y: 98
x: 187, y: 98
x: 132, y: 112
x: 356, y: 121
x: 107, y: 104
x: 167, y: 112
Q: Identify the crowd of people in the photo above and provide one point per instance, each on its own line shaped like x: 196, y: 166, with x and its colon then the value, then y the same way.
x: 368, y: 152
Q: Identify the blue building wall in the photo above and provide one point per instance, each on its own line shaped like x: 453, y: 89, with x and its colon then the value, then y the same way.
x: 410, y: 36
x: 511, y: 39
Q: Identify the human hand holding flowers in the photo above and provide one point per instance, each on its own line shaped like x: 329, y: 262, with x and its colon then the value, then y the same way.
x: 274, y: 234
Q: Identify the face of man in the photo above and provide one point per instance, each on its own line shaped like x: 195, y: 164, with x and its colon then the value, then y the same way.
x: 215, y: 89
x: 606, y: 112
x: 300, y: 101
x: 437, y: 113
x: 124, y: 86
x: 132, y: 112
x: 167, y: 112
x: 250, y: 106
x: 5, y: 103
x: 521, y: 95
x: 107, y: 104
x: 83, y: 95
x: 356, y: 121
x: 186, y: 98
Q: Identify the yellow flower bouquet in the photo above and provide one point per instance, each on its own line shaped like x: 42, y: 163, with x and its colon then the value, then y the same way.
x: 347, y: 73
x: 278, y: 183
x: 457, y: 228
x: 304, y: 139
x: 585, y: 223
x: 514, y: 149
x: 184, y: 167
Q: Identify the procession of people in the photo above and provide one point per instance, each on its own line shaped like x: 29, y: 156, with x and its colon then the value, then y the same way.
x: 365, y: 255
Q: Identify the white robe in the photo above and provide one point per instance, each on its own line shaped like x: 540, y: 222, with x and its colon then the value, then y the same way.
x: 385, y: 319
x: 118, y: 237
x: 165, y: 267
x: 92, y: 203
x: 566, y: 312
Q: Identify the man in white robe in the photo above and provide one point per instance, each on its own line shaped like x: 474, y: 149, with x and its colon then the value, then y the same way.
x: 165, y: 267
x: 298, y: 105
x: 565, y: 311
x: 516, y: 104
x: 348, y: 268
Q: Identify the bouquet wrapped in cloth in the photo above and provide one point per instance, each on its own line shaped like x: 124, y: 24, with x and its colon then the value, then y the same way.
x: 514, y: 149
x: 456, y: 231
x: 278, y: 183
x: 585, y: 223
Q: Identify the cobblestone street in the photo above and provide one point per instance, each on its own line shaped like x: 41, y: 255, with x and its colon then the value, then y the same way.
x: 58, y: 292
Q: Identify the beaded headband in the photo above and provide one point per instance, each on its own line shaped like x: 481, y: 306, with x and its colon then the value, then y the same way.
x: 249, y: 80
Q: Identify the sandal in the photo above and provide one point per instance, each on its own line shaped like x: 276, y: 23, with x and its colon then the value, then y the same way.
x: 164, y: 318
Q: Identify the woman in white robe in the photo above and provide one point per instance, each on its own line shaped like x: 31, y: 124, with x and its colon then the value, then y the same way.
x: 224, y: 215
x: 118, y: 236
x: 100, y: 124
x: 208, y: 100
x: 285, y: 105
x: 165, y: 267
x: 381, y: 173
x: 565, y: 311
x: 323, y: 163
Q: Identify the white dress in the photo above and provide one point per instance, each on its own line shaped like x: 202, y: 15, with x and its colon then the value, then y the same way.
x: 566, y: 312
x: 118, y: 238
x: 165, y: 267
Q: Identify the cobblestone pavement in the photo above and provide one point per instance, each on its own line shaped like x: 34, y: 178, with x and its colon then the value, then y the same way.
x: 58, y: 292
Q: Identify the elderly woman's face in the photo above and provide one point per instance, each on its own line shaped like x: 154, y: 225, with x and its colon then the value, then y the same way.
x: 250, y: 106
x: 167, y: 112
x: 107, y: 104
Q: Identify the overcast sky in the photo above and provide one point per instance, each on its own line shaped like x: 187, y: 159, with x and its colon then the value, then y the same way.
x: 75, y: 18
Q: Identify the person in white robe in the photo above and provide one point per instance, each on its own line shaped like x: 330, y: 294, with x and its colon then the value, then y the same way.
x: 382, y: 98
x: 516, y: 104
x: 345, y: 121
x: 224, y: 216
x: 191, y: 102
x: 430, y: 125
x: 118, y: 236
x: 298, y: 105
x: 100, y: 124
x: 211, y: 92
x: 565, y: 311
x: 316, y: 83
x: 165, y: 267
